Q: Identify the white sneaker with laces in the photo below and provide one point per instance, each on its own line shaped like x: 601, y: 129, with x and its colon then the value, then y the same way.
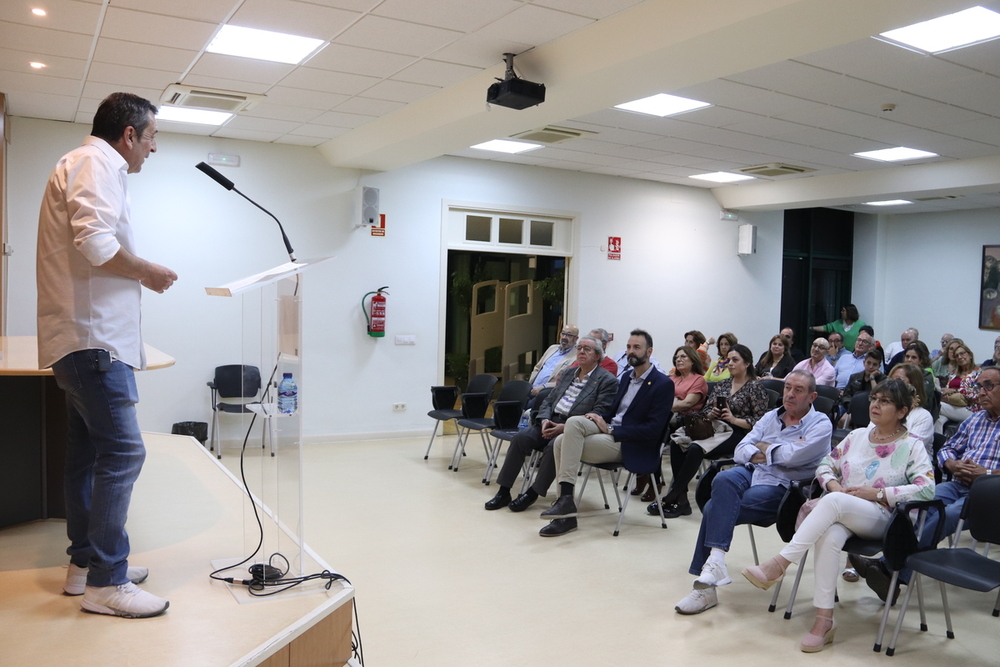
x: 127, y: 601
x: 76, y: 578
x: 698, y: 601
x: 713, y: 574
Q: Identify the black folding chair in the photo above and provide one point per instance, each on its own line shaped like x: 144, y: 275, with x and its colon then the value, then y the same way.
x: 233, y: 381
x: 443, y: 399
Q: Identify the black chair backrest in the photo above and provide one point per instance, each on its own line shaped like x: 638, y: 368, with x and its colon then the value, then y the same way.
x: 788, y: 511
x: 507, y: 414
x: 830, y: 392
x: 539, y: 399
x: 515, y: 390
x: 772, y: 398
x: 443, y: 398
x: 899, y: 540
x: 859, y: 410
x: 703, y: 492
x: 825, y: 405
x: 980, y: 510
x: 482, y: 384
x: 237, y: 381
x: 773, y: 384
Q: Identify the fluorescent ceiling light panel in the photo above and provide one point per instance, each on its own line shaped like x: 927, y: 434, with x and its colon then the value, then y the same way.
x: 895, y: 154
x: 662, y: 105
x: 199, y: 116
x: 888, y: 202
x: 722, y: 177
x: 277, y: 47
x: 506, y: 146
x: 952, y: 31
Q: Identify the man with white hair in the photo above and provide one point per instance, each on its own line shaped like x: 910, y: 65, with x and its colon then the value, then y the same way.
x: 899, y: 346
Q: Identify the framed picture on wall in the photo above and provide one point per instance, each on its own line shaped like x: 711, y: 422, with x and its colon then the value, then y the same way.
x: 989, y: 299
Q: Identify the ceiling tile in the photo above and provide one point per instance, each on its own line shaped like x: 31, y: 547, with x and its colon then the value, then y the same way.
x: 149, y: 56
x: 242, y: 122
x: 294, y: 18
x: 593, y: 9
x: 576, y: 156
x: 368, y: 106
x: 635, y: 122
x: 479, y: 51
x: 128, y: 77
x: 41, y: 40
x: 296, y: 140
x: 166, y: 127
x: 717, y: 116
x: 33, y: 83
x: 328, y: 82
x: 64, y: 15
x: 352, y: 5
x: 983, y: 57
x: 462, y: 15
x: 309, y: 99
x: 339, y: 119
x: 98, y: 90
x: 400, y: 36
x: 326, y: 131
x: 281, y: 112
x: 42, y: 105
x: 240, y: 69
x: 213, y: 11
x: 978, y: 93
x: 149, y: 28
x: 225, y: 84
x: 230, y: 132
x: 984, y: 129
x: 436, y: 73
x: 913, y: 110
x: 64, y: 68
x: 534, y: 25
x: 399, y: 91
x: 356, y: 60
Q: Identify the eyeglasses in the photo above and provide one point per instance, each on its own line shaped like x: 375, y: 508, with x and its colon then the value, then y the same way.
x: 986, y: 385
x: 821, y: 347
x: 585, y: 348
x: 569, y: 335
x: 863, y: 341
x: 882, y: 401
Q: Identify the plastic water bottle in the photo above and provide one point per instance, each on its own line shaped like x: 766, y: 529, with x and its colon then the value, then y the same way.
x: 525, y: 420
x: 288, y: 395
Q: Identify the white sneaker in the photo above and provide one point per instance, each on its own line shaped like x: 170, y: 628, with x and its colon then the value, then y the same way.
x: 76, y: 578
x: 697, y: 601
x: 713, y: 574
x: 127, y: 601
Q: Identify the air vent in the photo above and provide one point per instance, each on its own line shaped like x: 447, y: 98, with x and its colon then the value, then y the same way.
x: 552, y: 134
x: 208, y: 98
x: 940, y: 198
x: 774, y: 169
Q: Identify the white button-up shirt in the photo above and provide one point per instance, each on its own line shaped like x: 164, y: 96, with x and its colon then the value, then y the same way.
x: 83, y: 222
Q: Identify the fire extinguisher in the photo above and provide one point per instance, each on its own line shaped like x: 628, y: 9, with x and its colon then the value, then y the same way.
x: 376, y: 319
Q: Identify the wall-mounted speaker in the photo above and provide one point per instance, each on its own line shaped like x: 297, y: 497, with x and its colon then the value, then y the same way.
x: 748, y: 240
x: 369, y: 206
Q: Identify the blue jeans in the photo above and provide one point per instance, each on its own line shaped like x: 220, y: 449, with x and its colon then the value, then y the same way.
x: 734, y: 501
x: 103, y: 459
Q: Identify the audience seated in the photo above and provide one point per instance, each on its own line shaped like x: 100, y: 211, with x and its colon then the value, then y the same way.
x: 696, y: 341
x: 785, y: 445
x: 796, y: 354
x: 776, y: 362
x: 866, y: 475
x: 554, y: 360
x: 632, y: 427
x: 919, y: 421
x: 959, y: 398
x: 582, y: 389
x: 817, y: 364
x: 898, y: 347
x: 973, y: 451
x: 995, y: 359
x: 854, y: 362
x: 865, y: 379
x: 719, y: 369
x: 736, y: 404
x: 945, y: 339
x: 944, y: 365
x: 607, y: 363
x: 836, y: 348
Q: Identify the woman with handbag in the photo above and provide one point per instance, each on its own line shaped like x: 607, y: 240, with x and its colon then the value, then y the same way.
x: 734, y: 405
x: 690, y: 390
x: 864, y: 477
x: 959, y: 399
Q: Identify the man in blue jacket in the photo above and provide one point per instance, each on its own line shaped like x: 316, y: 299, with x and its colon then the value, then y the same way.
x: 630, y: 431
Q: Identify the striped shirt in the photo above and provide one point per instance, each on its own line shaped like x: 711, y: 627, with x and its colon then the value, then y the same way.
x: 977, y: 440
x: 565, y: 404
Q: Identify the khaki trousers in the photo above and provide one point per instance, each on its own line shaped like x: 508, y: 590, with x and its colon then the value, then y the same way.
x: 581, y: 440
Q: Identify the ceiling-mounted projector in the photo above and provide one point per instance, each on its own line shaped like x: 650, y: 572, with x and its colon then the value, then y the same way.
x: 513, y: 92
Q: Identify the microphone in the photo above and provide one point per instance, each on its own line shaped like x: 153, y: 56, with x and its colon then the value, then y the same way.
x: 215, y: 175
x: 229, y: 185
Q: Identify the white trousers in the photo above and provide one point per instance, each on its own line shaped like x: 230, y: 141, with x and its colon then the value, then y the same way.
x: 835, y: 518
x: 581, y: 440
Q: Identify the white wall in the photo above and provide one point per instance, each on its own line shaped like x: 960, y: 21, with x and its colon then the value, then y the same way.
x: 679, y: 268
x: 931, y: 269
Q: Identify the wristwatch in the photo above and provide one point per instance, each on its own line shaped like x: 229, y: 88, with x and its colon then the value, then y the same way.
x: 611, y: 429
x: 880, y: 496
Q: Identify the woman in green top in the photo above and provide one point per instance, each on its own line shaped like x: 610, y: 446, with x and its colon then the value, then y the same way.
x: 848, y: 326
x: 719, y: 370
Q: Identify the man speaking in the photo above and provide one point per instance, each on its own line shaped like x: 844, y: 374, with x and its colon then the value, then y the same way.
x: 89, y: 281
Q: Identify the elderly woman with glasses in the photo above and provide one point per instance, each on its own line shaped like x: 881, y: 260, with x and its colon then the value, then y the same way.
x: 863, y: 478
x: 817, y: 364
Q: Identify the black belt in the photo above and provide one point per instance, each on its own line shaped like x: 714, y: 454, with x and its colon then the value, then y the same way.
x: 558, y: 418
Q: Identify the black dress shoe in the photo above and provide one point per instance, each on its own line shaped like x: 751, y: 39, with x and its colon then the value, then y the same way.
x: 559, y: 527
x: 876, y: 576
x: 522, y: 502
x: 501, y: 499
x: 676, y: 510
x: 563, y: 508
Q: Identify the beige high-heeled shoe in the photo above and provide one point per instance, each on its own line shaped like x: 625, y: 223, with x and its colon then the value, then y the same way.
x: 815, y: 643
x: 755, y: 575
